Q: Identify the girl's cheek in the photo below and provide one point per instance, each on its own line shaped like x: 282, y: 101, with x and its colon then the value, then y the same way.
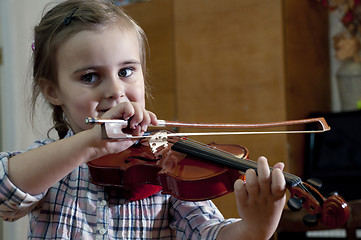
x: 138, y: 95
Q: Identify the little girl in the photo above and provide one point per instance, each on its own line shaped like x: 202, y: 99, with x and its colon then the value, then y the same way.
x: 89, y: 61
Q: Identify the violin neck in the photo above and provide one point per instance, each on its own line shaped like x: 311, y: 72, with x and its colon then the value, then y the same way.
x: 225, y: 158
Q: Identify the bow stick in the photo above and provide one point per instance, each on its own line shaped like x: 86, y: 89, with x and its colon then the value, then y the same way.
x: 113, y: 127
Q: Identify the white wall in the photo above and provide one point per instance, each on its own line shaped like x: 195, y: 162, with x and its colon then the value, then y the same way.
x: 335, y: 28
x: 17, y: 19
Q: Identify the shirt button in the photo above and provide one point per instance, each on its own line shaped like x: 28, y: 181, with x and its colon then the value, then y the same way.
x: 102, y: 231
x: 103, y: 203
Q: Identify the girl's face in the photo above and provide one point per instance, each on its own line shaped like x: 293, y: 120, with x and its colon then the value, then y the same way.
x: 96, y: 71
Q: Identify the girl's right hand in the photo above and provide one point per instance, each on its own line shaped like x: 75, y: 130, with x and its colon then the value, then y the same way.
x: 37, y: 170
x: 139, y: 120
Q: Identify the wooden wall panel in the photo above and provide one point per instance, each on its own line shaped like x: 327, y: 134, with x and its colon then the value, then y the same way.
x: 156, y: 19
x: 223, y: 51
x: 226, y: 70
x: 229, y: 68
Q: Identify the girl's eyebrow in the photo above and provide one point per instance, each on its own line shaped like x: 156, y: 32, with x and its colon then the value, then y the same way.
x: 84, y: 69
x: 129, y: 62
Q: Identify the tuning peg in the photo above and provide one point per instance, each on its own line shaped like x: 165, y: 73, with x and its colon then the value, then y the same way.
x: 295, y: 204
x: 310, y: 220
x: 314, y: 182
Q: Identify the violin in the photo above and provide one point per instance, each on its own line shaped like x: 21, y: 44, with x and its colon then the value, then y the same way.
x: 193, y: 171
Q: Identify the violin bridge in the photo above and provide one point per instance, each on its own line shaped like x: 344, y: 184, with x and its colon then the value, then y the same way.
x: 157, y: 141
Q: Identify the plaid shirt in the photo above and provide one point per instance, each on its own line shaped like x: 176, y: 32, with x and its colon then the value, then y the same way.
x: 74, y: 208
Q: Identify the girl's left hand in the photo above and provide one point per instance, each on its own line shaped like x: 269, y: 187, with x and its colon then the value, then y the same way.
x: 261, y: 199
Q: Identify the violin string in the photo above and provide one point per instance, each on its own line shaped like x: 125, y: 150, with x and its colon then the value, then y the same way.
x: 247, y: 162
x: 295, y: 180
x: 222, y: 152
x: 214, y: 148
x: 291, y: 179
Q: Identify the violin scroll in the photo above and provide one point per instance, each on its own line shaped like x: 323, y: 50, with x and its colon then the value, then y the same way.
x: 332, y: 212
x: 335, y: 211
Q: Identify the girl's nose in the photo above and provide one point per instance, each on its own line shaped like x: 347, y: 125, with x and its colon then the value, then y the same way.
x: 114, y: 89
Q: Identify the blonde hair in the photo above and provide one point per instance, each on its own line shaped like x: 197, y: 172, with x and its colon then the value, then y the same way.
x: 58, y: 25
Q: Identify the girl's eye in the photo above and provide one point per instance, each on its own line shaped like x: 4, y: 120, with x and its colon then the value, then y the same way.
x: 89, y: 78
x: 125, y: 72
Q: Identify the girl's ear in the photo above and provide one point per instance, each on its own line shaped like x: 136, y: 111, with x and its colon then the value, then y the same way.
x: 50, y: 91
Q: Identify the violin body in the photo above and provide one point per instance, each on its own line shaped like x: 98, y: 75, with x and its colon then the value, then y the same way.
x: 133, y: 171
x: 140, y: 173
x: 190, y: 178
